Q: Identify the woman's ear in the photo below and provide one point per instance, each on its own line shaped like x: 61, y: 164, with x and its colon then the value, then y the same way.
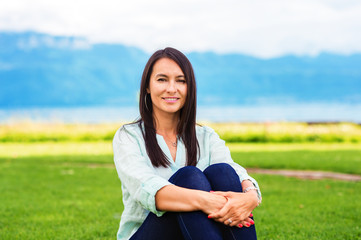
x: 148, y: 91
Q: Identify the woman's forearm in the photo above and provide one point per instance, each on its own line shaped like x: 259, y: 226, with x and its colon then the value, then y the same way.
x: 177, y: 199
x: 173, y: 198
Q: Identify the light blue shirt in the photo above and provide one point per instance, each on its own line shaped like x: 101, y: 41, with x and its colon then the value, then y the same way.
x: 141, y: 181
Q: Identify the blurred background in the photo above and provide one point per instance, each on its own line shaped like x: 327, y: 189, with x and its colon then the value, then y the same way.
x: 279, y: 81
x: 258, y: 61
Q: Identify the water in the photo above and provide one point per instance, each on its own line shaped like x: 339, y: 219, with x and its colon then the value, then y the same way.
x: 294, y: 112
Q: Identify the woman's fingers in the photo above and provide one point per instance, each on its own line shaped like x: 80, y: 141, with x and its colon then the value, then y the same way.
x: 228, y: 222
x: 238, y: 223
x: 247, y: 223
x: 226, y: 216
x: 234, y: 222
x: 221, y: 215
x: 227, y: 212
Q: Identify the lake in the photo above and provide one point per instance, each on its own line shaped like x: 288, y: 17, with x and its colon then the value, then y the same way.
x: 293, y: 112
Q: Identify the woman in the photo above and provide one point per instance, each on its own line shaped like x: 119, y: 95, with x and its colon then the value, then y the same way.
x: 178, y: 178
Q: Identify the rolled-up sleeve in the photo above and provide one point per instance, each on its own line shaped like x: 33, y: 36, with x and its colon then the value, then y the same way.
x: 135, y: 171
x: 219, y: 153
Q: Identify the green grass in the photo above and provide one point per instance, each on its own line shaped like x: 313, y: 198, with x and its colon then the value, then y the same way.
x: 346, y: 161
x: 70, y: 190
x: 341, y: 157
x: 55, y: 198
x: 304, y: 209
x: 345, y: 158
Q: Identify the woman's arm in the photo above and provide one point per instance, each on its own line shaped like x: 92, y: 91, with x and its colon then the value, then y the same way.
x: 178, y: 199
x: 140, y: 182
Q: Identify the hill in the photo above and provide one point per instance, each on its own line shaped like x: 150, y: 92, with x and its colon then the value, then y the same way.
x: 46, y: 71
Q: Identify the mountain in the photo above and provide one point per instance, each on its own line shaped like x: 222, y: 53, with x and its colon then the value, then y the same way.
x: 288, y: 79
x: 40, y: 70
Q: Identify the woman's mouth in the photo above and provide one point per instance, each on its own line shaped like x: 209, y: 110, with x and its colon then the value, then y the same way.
x: 170, y: 99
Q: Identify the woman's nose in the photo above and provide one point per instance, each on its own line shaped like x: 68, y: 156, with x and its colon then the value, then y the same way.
x: 172, y: 86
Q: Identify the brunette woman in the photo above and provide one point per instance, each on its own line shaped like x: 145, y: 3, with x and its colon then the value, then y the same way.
x: 178, y: 178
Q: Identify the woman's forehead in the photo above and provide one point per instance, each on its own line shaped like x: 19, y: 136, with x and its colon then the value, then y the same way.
x: 167, y: 66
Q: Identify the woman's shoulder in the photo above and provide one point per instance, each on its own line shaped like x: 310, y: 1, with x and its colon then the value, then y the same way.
x: 202, y: 130
x: 129, y: 130
x: 131, y: 127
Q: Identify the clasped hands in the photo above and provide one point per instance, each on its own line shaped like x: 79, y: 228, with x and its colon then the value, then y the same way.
x: 234, y: 208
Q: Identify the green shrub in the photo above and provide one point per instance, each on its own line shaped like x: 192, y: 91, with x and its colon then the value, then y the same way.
x: 230, y: 132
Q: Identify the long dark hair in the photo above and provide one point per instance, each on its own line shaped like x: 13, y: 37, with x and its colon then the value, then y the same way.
x: 186, y: 128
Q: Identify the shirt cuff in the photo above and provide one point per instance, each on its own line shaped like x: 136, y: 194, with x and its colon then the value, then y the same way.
x: 150, y: 189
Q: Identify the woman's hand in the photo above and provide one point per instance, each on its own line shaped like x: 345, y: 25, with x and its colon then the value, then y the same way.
x: 212, y: 202
x: 237, y: 210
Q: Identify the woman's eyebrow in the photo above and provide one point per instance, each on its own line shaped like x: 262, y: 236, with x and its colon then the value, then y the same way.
x: 164, y: 75
x: 161, y: 75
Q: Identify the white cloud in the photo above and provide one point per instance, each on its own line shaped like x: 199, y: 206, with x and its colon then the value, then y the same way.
x: 261, y: 28
x: 34, y: 41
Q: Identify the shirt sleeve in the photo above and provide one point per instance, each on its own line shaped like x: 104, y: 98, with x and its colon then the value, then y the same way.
x: 220, y: 154
x: 135, y: 171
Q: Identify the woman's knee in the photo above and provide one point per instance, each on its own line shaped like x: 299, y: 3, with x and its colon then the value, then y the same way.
x: 223, y: 177
x: 191, y: 177
x: 219, y: 169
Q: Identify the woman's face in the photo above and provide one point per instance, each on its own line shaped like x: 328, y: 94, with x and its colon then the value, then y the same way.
x: 167, y: 87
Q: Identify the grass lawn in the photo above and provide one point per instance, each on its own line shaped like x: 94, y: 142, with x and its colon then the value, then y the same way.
x: 305, y: 209
x: 43, y: 199
x: 338, y: 157
x: 345, y: 161
x: 68, y: 191
x: 345, y: 158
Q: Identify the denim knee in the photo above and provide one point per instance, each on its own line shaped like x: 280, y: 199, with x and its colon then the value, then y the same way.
x: 223, y: 177
x: 192, y: 178
x: 219, y: 169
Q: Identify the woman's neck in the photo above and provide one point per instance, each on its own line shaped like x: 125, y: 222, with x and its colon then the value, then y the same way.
x: 166, y: 125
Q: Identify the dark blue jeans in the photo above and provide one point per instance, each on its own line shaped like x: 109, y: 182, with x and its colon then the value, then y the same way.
x: 196, y: 225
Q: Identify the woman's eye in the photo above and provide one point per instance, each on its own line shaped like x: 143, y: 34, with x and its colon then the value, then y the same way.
x: 161, y: 79
x: 181, y: 81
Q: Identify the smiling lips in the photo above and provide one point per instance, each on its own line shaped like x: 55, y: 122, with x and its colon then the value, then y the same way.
x: 170, y: 99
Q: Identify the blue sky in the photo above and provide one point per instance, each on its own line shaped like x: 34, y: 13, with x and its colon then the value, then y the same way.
x: 262, y: 28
